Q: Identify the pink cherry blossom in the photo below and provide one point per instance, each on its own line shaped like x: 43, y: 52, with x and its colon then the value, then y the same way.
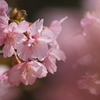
x: 4, y: 77
x: 4, y: 74
x: 91, y: 83
x: 36, y: 45
x: 3, y: 16
x: 7, y: 92
x: 3, y: 10
x: 58, y: 54
x: 91, y: 29
x: 3, y: 23
x: 56, y: 27
x: 50, y: 61
x: 26, y: 72
x: 54, y: 52
x: 89, y: 20
x: 12, y: 36
x: 3, y: 7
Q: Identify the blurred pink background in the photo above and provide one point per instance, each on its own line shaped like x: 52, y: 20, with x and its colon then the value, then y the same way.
x: 63, y: 85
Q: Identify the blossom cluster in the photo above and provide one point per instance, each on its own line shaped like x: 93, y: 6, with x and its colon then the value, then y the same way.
x: 34, y: 46
x: 91, y: 32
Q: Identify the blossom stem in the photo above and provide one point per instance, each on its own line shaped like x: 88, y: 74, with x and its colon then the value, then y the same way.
x: 18, y: 61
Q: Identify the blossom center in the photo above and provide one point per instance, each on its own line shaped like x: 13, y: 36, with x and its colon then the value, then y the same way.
x: 9, y: 35
x: 28, y: 69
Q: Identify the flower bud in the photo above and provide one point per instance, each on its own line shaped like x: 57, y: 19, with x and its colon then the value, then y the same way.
x: 17, y: 16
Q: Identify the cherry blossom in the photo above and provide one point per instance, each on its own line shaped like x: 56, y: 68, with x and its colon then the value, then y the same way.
x: 26, y: 72
x: 3, y: 16
x: 12, y: 36
x: 91, y: 32
x: 91, y: 28
x: 7, y: 92
x: 36, y: 44
x: 50, y: 61
x: 3, y: 23
x: 3, y: 7
x: 4, y: 74
x: 91, y: 83
x: 56, y: 28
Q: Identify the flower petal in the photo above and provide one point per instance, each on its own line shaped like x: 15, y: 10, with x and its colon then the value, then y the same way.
x: 22, y: 27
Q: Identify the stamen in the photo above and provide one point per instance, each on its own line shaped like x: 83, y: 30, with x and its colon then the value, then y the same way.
x: 35, y: 43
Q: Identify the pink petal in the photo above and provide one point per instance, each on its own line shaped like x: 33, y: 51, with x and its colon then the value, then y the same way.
x: 55, y: 27
x: 39, y: 25
x: 14, y: 76
x: 40, y: 70
x: 36, y: 27
x: 50, y: 64
x: 59, y: 54
x: 12, y: 26
x: 47, y: 33
x: 8, y: 50
x: 3, y: 6
x: 2, y: 39
x: 40, y: 51
x: 31, y: 79
x: 63, y: 19
x: 22, y: 27
x: 24, y: 51
x: 3, y: 23
x: 4, y: 76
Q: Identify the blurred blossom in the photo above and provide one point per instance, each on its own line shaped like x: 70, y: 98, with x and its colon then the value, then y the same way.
x: 92, y: 83
x: 79, y: 39
x: 91, y: 32
x: 64, y: 84
x: 7, y: 92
